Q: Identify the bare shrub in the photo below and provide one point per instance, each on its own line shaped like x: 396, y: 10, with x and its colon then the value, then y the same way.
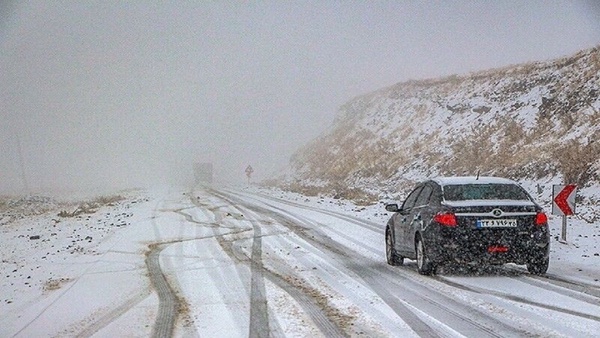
x: 576, y: 160
x: 472, y: 152
x: 3, y: 203
x: 356, y: 195
x: 109, y: 200
x: 91, y: 206
x: 335, y: 189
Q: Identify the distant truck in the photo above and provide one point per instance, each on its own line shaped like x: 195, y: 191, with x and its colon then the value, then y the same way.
x: 203, y: 173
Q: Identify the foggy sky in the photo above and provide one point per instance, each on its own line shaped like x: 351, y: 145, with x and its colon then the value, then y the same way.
x: 103, y: 95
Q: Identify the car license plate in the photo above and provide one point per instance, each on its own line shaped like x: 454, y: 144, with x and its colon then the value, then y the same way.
x: 497, y: 223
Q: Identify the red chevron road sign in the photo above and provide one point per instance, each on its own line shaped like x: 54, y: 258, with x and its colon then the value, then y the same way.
x: 563, y: 199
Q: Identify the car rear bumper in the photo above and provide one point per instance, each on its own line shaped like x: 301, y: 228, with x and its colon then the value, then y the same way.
x: 519, y: 250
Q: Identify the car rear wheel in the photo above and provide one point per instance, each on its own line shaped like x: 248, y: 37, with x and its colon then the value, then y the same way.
x: 538, y: 266
x: 390, y: 253
x: 424, y: 265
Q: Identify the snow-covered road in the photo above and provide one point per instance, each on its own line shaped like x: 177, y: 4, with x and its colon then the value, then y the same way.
x: 237, y: 263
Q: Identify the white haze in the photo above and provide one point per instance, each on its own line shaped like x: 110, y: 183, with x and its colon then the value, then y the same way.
x: 105, y: 95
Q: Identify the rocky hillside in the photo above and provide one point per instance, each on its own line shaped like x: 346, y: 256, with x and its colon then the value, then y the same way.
x: 537, y: 121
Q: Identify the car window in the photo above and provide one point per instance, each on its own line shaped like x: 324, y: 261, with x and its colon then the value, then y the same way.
x: 409, y: 203
x: 423, y: 198
x: 436, y: 195
x: 465, y: 192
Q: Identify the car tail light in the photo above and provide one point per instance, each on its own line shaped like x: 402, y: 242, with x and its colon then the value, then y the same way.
x: 446, y: 219
x: 541, y: 218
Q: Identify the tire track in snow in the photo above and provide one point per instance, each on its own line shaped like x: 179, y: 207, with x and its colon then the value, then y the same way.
x: 352, y: 219
x: 115, y: 313
x: 217, y: 226
x: 167, y: 301
x: 259, y: 312
x: 517, y: 299
x: 588, y: 292
x: 109, y: 317
x: 574, y: 291
x: 303, y: 298
x: 418, y: 326
x: 259, y: 315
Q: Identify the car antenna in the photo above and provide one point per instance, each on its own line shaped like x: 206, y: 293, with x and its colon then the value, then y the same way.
x: 477, y: 178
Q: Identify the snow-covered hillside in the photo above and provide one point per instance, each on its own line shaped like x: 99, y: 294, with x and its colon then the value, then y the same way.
x: 536, y: 122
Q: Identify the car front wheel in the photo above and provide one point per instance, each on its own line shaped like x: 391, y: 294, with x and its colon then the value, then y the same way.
x: 424, y: 265
x: 391, y: 255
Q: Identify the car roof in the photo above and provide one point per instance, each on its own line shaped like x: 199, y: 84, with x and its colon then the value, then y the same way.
x: 462, y: 180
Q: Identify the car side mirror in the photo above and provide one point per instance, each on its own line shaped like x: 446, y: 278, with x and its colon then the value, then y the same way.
x: 392, y: 207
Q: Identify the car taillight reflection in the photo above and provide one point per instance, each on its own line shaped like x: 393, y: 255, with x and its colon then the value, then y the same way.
x: 446, y: 219
x: 497, y: 249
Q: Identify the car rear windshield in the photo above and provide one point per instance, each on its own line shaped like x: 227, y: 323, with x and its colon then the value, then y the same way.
x: 466, y: 192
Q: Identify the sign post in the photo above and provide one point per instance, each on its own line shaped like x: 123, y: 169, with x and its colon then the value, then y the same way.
x: 249, y: 171
x: 563, y: 203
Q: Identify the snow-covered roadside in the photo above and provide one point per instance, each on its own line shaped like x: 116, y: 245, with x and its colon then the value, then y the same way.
x: 577, y: 260
x: 45, y: 256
